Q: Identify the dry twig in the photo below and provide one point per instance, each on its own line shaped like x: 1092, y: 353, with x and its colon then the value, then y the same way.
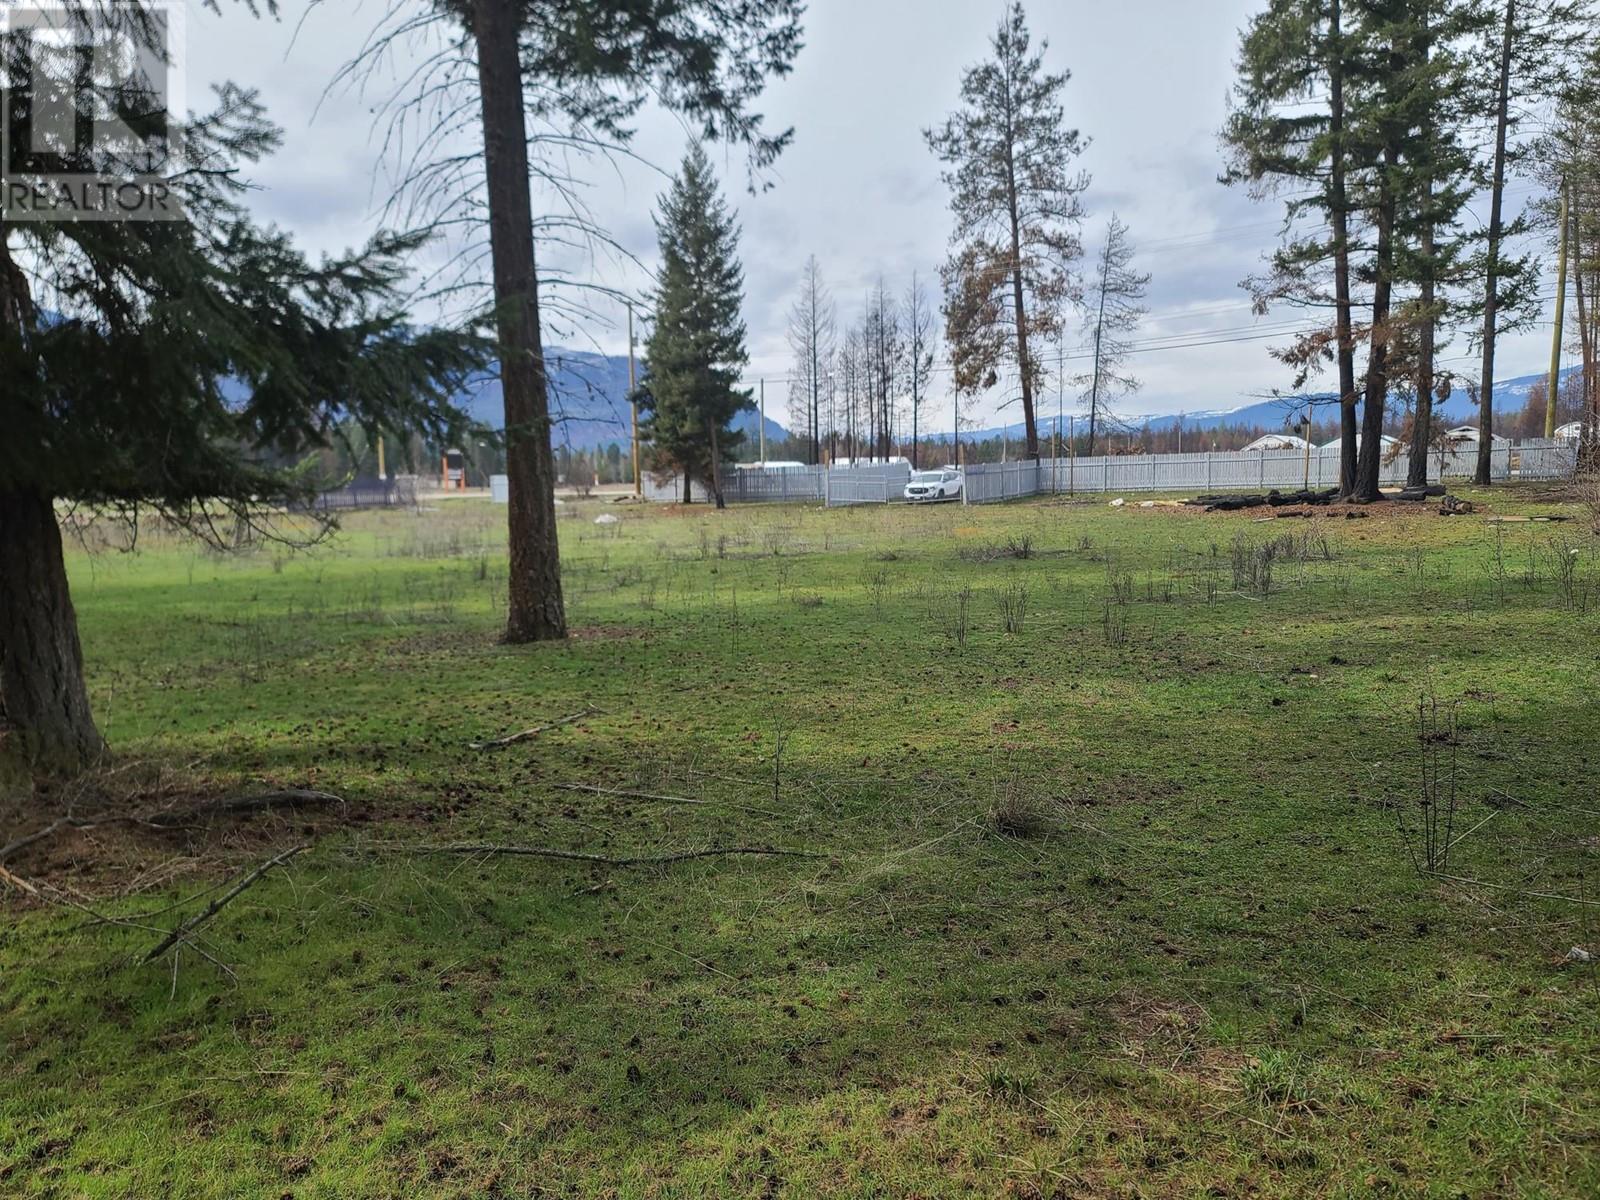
x: 167, y: 818
x: 643, y: 860
x: 513, y: 738
x: 188, y: 928
x: 663, y: 799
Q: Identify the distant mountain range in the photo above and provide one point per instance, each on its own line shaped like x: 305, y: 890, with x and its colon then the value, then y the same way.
x: 588, y: 398
x: 1510, y: 395
x: 589, y: 402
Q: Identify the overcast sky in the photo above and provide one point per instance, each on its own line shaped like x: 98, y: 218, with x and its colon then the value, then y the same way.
x: 858, y: 188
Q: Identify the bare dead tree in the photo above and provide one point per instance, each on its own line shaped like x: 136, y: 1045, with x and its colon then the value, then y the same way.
x: 812, y: 323
x: 922, y: 340
x: 1115, y: 306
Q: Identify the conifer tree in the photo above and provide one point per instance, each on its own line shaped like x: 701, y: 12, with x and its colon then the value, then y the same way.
x: 1382, y: 128
x: 1445, y: 176
x: 574, y: 73
x: 1289, y: 129
x: 1532, y: 56
x: 1017, y: 205
x: 696, y: 349
x: 181, y: 369
x: 1572, y: 171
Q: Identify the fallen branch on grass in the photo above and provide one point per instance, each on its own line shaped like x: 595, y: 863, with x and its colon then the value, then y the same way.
x: 233, y: 805
x: 188, y: 928
x: 17, y: 881
x: 22, y: 843
x: 661, y: 799
x: 605, y: 860
x: 166, y: 818
x: 1512, y: 888
x: 513, y: 738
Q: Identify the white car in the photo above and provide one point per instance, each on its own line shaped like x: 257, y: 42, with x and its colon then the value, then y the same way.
x: 934, y: 485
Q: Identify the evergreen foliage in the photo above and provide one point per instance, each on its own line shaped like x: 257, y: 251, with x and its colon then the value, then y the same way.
x: 696, y: 349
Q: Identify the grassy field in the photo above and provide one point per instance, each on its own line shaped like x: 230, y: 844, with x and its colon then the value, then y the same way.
x: 1119, y: 902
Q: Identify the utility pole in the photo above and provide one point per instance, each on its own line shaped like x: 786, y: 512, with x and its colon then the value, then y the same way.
x: 1055, y: 453
x: 638, y: 481
x: 1305, y: 428
x: 955, y: 416
x: 1555, y: 337
x: 1072, y: 457
x: 1061, y: 404
x: 382, y: 474
x: 764, y: 423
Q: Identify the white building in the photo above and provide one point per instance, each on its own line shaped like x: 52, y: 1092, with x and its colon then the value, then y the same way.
x: 1570, y: 432
x: 1278, y: 441
x: 1385, y: 441
x: 1467, y: 435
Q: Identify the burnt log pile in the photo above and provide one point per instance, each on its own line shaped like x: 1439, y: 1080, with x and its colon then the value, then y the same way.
x: 1232, y: 502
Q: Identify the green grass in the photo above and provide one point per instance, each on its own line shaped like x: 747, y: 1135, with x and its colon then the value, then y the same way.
x: 1208, y: 970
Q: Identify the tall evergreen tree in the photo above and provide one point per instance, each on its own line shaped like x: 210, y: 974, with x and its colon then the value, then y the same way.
x: 1533, y: 56
x: 583, y: 68
x: 1017, y: 204
x: 1288, y: 133
x: 183, y: 368
x: 1444, y: 179
x: 1572, y: 158
x: 1383, y: 123
x: 696, y: 350
x: 1369, y: 102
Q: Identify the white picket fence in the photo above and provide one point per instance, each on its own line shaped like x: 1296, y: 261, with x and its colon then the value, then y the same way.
x: 1227, y: 471
x: 1240, y: 470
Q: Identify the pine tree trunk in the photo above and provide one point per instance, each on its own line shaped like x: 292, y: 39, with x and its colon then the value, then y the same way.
x: 1371, y: 454
x: 915, y: 405
x: 1491, y: 296
x: 45, y: 722
x: 1099, y: 331
x: 1029, y: 425
x: 1339, y: 202
x: 536, y: 612
x: 1422, y: 422
x: 1028, y: 421
x: 1589, y: 427
x: 716, y: 466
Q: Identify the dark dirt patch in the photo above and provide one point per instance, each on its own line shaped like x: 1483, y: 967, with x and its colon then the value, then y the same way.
x: 607, y: 633
x: 1167, y: 1034
x: 1123, y: 789
x: 146, y: 831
